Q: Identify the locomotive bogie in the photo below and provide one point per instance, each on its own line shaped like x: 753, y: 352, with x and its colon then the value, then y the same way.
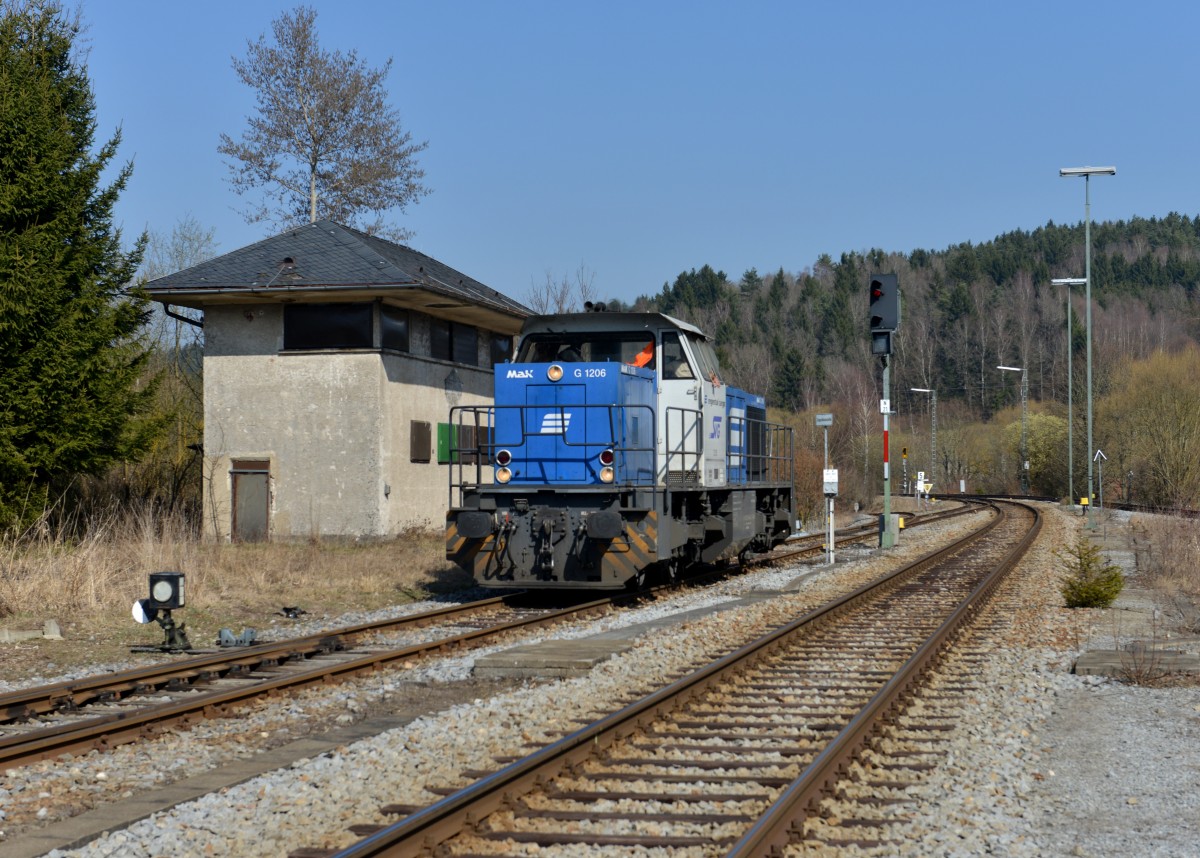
x: 554, y: 539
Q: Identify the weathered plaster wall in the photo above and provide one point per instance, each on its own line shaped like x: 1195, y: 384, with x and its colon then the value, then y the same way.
x: 335, y: 427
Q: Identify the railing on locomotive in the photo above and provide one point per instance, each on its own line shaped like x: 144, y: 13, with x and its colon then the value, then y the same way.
x: 678, y: 457
x: 769, y: 464
x: 482, y: 421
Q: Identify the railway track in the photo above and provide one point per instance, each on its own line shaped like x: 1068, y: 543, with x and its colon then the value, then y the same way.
x: 733, y: 758
x: 101, y: 712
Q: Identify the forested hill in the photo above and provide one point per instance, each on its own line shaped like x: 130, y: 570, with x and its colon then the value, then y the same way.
x: 802, y: 337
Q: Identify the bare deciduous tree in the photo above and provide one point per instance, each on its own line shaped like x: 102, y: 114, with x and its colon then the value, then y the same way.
x: 324, y: 142
x: 561, y: 294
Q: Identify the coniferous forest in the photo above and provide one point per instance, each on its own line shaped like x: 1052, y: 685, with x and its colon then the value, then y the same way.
x: 101, y: 404
x: 802, y: 338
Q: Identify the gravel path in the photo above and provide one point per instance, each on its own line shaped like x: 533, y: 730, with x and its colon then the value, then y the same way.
x: 1046, y: 763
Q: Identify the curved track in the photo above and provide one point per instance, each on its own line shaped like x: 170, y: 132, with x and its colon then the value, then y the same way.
x: 730, y: 759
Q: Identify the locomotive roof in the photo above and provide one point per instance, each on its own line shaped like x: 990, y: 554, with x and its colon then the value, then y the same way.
x: 604, y: 322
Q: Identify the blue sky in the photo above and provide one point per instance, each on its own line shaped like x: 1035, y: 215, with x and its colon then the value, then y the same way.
x: 642, y: 139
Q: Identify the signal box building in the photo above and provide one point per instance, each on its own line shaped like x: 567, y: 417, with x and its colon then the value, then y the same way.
x: 331, y: 361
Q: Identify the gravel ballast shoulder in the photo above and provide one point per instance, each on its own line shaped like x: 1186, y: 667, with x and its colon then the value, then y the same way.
x: 1043, y: 763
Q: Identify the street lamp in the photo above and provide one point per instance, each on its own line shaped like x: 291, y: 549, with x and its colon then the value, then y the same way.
x: 933, y: 428
x: 1069, y: 282
x: 1024, y: 424
x: 1087, y: 173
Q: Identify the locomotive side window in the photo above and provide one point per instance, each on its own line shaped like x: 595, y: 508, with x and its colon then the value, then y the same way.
x: 675, y: 363
x: 643, y: 356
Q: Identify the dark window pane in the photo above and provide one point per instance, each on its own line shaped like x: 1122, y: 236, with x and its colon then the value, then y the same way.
x: 327, y: 326
x: 466, y: 344
x: 393, y: 328
x: 439, y: 339
x: 420, y: 439
x: 501, y: 349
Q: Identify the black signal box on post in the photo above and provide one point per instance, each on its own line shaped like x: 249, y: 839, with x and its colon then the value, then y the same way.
x: 885, y: 302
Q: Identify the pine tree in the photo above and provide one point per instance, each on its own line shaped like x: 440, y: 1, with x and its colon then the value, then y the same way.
x: 71, y: 402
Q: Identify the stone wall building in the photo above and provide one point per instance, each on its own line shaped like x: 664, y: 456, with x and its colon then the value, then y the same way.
x: 331, y: 361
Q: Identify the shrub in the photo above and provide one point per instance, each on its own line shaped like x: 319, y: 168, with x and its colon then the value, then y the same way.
x: 1089, y: 582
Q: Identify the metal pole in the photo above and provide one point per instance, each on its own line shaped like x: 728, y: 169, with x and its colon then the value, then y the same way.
x: 829, y: 530
x: 1087, y: 275
x: 828, y: 510
x: 1069, y: 282
x: 1070, y: 406
x: 933, y: 439
x: 885, y: 531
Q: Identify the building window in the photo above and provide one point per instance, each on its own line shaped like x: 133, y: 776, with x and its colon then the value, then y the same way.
x: 327, y: 326
x: 501, y: 349
x: 420, y: 441
x: 393, y: 328
x: 454, y: 342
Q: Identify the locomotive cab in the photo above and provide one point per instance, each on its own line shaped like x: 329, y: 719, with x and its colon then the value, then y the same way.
x: 613, y: 448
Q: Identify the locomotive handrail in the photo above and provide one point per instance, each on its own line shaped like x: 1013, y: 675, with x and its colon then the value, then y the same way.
x: 747, y: 467
x: 682, y: 454
x: 481, y: 453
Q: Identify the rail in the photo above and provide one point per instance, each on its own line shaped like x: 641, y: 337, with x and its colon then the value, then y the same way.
x: 420, y: 832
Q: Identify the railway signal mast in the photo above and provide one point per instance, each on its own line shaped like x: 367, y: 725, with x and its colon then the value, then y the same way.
x: 885, y: 319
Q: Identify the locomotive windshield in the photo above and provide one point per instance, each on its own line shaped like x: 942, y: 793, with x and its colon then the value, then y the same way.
x: 706, y: 356
x: 636, y: 348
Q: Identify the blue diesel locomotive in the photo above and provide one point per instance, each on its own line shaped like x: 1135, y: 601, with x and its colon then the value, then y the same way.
x: 614, y: 451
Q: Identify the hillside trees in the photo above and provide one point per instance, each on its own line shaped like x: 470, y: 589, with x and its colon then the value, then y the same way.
x: 1151, y: 428
x: 324, y: 143
x: 71, y: 402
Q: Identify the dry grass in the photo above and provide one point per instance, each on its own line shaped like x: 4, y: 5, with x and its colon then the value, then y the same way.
x: 1169, y: 558
x: 89, y: 583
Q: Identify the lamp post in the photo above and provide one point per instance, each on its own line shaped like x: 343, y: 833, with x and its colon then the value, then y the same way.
x: 1024, y: 424
x: 1087, y: 173
x: 1069, y: 282
x: 932, y: 428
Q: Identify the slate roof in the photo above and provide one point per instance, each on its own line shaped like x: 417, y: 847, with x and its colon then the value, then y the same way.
x: 325, y: 261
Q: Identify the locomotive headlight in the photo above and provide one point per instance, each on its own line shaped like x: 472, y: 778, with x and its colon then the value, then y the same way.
x: 503, y: 457
x: 607, y: 475
x: 606, y: 457
x: 555, y: 372
x: 503, y: 475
